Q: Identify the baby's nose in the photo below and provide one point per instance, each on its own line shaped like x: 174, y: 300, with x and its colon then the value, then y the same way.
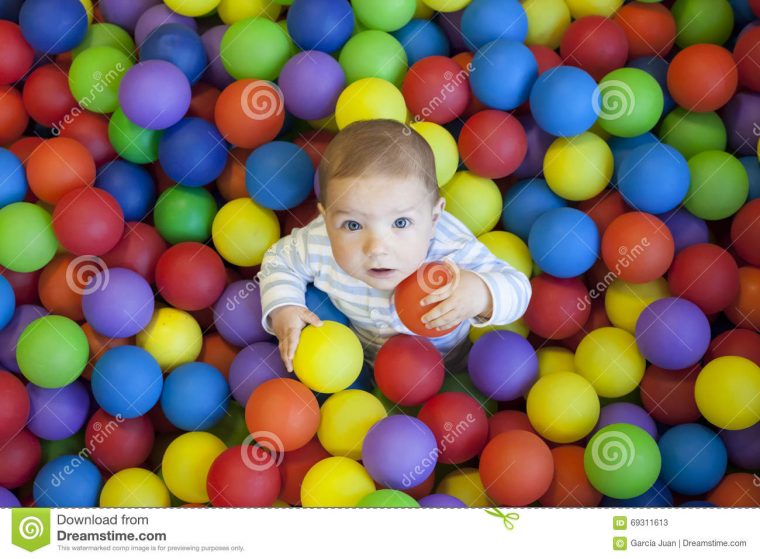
x: 375, y: 245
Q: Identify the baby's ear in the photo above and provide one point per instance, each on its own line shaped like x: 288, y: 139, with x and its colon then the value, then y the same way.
x: 438, y: 208
x: 321, y: 208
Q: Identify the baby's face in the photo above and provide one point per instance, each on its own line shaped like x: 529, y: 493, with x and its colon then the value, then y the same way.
x: 380, y: 228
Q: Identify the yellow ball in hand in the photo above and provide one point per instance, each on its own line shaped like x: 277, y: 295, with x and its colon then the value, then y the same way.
x: 328, y: 358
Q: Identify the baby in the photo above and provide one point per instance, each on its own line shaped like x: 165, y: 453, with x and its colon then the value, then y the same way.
x: 381, y: 217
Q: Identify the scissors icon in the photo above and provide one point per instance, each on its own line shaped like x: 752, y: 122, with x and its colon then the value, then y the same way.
x: 507, y: 518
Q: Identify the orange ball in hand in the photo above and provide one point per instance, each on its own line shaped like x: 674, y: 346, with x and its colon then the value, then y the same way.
x: 430, y: 277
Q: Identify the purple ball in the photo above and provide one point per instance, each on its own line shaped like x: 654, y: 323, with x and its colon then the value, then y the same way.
x: 157, y: 16
x: 741, y: 115
x: 625, y: 412
x: 237, y: 314
x: 125, y: 13
x: 57, y: 413
x: 686, y: 228
x: 441, y: 500
x: 155, y: 94
x: 538, y: 143
x: 451, y: 23
x: 503, y: 365
x: 8, y: 499
x: 311, y: 83
x: 118, y: 303
x: 254, y: 365
x: 216, y: 74
x: 673, y: 333
x: 743, y: 446
x: 400, y: 452
x: 22, y: 317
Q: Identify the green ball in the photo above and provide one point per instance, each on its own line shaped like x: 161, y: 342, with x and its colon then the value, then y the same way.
x: 255, y: 48
x: 374, y: 54
x: 131, y: 142
x: 107, y: 35
x: 702, y: 21
x: 231, y: 428
x: 631, y: 102
x: 27, y: 241
x: 622, y: 461
x: 693, y: 133
x: 385, y: 15
x: 94, y: 78
x: 53, y: 449
x: 184, y: 214
x: 52, y: 351
x: 388, y: 499
x: 719, y: 185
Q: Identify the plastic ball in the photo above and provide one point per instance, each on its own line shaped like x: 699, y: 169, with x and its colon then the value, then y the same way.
x: 178, y: 45
x: 570, y: 486
x: 194, y: 8
x: 492, y: 144
x: 53, y: 26
x: 27, y: 241
x: 686, y: 228
x: 14, y: 405
x: 725, y: 392
x: 624, y: 301
x: 502, y: 365
x: 57, y: 413
x: 475, y: 201
x: 156, y: 16
x: 440, y: 500
x: 559, y: 254
x: 117, y: 444
x: 525, y: 202
x: 626, y: 412
x: 294, y: 467
x: 368, y: 99
x: 19, y: 54
x: 745, y: 232
x: 190, y: 276
x: 692, y: 133
x: 52, y: 351
x: 556, y: 421
x: 694, y: 460
x: 702, y: 77
x: 13, y: 116
x: 653, y: 178
x: 746, y: 55
x: 195, y: 396
x: 558, y: 307
x: 279, y: 175
x: 237, y: 314
x: 249, y: 113
x: 231, y: 11
x: 13, y: 178
x: 346, y: 417
x: 154, y: 94
x: 20, y: 459
x: 650, y: 28
x: 57, y: 167
x: 131, y: 186
x: 255, y: 364
x: 387, y: 498
x: 509, y: 248
x: 80, y: 488
x: 47, y: 97
x: 564, y: 101
x: 503, y: 73
x: 641, y: 241
x: 323, y: 25
x: 135, y: 144
x: 318, y: 302
x: 172, y: 337
x: 578, y: 168
x: 311, y: 83
x: 739, y: 115
x: 547, y: 22
x: 134, y: 487
x: 622, y: 461
x: 702, y: 21
x: 388, y: 15
x: 668, y: 396
x: 127, y: 381
x: 259, y: 35
x: 484, y: 21
x: 422, y: 38
x: 88, y: 221
x: 582, y: 8
x: 373, y: 54
x: 192, y: 152
x: 738, y: 342
x: 186, y: 464
x: 458, y: 423
x: 22, y: 317
x: 95, y: 76
x: 706, y: 275
x: 106, y: 35
x: 328, y: 358
x: 719, y: 185
x: 410, y: 292
x: 408, y: 370
x: 595, y: 44
x: 243, y: 476
x: 745, y: 310
x: 631, y: 102
x: 184, y: 214
x: 742, y: 446
x: 444, y: 148
x: 336, y: 482
x: 735, y: 490
x: 610, y: 361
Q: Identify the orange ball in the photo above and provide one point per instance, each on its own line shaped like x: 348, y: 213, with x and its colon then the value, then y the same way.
x: 570, y: 486
x: 638, y: 246
x: 745, y: 232
x: 430, y: 277
x: 61, y: 286
x: 736, y: 490
x: 282, y: 414
x: 703, y: 78
x: 651, y: 29
x: 745, y: 311
x: 218, y: 352
x: 231, y: 182
x: 59, y: 166
x: 250, y: 113
x: 516, y: 468
x: 13, y: 117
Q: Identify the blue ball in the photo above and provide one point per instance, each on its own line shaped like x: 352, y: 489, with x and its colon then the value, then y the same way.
x: 621, y: 147
x: 564, y: 101
x: 656, y: 496
x: 697, y: 504
x: 323, y: 25
x: 525, y: 202
x: 127, y: 381
x: 694, y: 458
x: 279, y: 175
x: 320, y: 304
x: 752, y: 166
x: 67, y: 481
x: 179, y: 45
x: 564, y: 242
x: 195, y: 397
x: 503, y: 73
x: 192, y: 152
x: 488, y: 20
x: 7, y: 302
x: 131, y: 185
x: 654, y: 178
x: 422, y: 38
x: 53, y: 26
x: 657, y: 68
x: 13, y: 183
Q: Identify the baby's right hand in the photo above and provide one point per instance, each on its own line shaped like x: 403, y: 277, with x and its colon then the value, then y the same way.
x: 287, y: 323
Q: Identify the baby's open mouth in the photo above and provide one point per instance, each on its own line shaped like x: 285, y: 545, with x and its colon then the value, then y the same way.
x: 381, y: 271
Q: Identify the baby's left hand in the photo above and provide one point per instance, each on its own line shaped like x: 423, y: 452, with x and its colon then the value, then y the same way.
x: 464, y: 297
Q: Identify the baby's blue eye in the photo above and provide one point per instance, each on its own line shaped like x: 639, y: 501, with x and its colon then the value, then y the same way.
x: 402, y: 223
x: 352, y: 225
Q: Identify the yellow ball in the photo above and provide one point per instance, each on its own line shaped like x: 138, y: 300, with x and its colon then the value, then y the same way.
x: 518, y: 327
x: 243, y: 231
x: 328, y: 358
x: 465, y: 485
x: 578, y: 168
x: 555, y: 359
x: 336, y: 482
x: 444, y: 148
x: 446, y: 5
x: 510, y: 248
x: 369, y: 99
x: 87, y: 8
x: 547, y: 22
x: 134, y: 487
x: 231, y: 11
x: 172, y: 337
x: 473, y: 200
x: 610, y: 360
x: 624, y: 301
x: 423, y: 11
x: 186, y: 463
x: 727, y: 392
x: 563, y: 407
x: 582, y: 8
x: 346, y: 418
x: 192, y: 8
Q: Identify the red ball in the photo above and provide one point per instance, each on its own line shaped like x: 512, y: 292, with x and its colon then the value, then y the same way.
x: 47, y: 96
x: 493, y: 144
x: 668, y: 396
x: 638, y: 247
x: 295, y: 464
x: 203, y: 102
x: 18, y: 55
x: 702, y: 78
x: 409, y: 370
x: 459, y: 424
x: 88, y: 221
x: 13, y: 117
x: 411, y: 290
x: 558, y: 308
x: 19, y: 459
x: 508, y: 420
x: 14, y: 406
x: 243, y: 476
x: 650, y: 28
x: 59, y: 166
x: 24, y: 285
x: 139, y: 250
x: 250, y: 113
x: 516, y: 468
x: 436, y: 89
x: 755, y: 6
x: 90, y: 130
x: 545, y: 57
x: 706, y: 275
x: 117, y: 443
x: 190, y: 276
x: 738, y: 342
x: 314, y: 143
x: 745, y: 232
x: 604, y: 208
x: 747, y: 57
x: 595, y: 44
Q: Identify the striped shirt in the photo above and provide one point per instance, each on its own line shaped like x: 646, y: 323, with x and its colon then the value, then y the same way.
x: 305, y: 256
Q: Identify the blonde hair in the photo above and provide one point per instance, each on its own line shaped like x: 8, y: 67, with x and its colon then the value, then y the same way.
x: 378, y: 147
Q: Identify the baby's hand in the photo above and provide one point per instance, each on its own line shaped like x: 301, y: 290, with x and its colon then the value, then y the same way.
x: 463, y: 298
x: 287, y: 323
